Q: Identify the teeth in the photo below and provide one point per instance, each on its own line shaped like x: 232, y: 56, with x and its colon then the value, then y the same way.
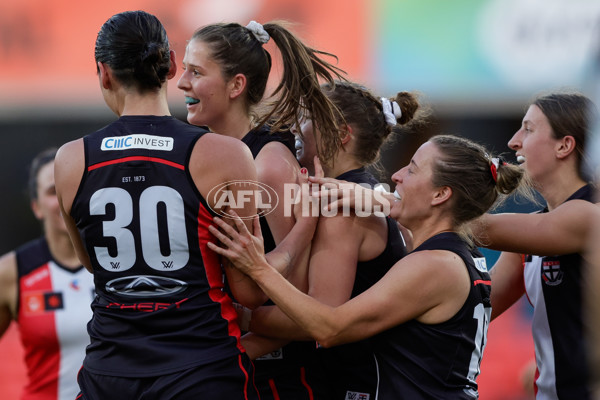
x: 520, y: 159
x: 396, y: 195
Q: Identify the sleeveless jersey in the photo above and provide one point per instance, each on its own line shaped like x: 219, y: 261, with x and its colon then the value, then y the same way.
x: 438, y: 361
x: 555, y: 289
x: 160, y: 305
x: 282, y: 372
x: 53, y: 311
x: 350, y: 368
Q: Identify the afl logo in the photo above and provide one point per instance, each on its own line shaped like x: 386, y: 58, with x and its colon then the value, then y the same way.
x: 145, y: 286
x: 235, y: 195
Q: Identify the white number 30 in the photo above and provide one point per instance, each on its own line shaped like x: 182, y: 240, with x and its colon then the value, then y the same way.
x: 116, y: 228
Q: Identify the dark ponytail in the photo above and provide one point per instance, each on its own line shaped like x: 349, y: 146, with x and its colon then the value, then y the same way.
x: 135, y: 46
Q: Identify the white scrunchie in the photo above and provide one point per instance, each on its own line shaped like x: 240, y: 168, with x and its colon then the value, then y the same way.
x: 391, y: 111
x: 258, y: 31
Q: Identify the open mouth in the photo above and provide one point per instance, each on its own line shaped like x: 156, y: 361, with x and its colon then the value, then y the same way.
x: 396, y: 195
x: 191, y: 100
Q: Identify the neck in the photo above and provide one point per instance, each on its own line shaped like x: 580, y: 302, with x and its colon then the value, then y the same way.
x: 62, y: 249
x: 559, y: 187
x: 234, y: 123
x: 343, y: 162
x: 133, y: 103
x: 429, y: 227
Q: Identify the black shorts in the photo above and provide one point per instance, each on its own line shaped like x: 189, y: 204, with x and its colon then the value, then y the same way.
x: 229, y: 379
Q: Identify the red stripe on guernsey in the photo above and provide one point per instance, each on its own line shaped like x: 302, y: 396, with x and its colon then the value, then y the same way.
x: 214, y: 274
x: 246, y: 381
x: 273, y: 389
x: 43, y: 366
x: 306, y: 385
x: 135, y: 158
x: 482, y: 282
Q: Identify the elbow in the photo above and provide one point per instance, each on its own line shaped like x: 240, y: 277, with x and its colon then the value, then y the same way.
x: 328, y: 338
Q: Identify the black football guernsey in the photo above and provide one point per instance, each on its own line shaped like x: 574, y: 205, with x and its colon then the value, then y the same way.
x: 350, y: 369
x: 554, y: 287
x: 160, y: 304
x: 438, y: 361
x: 282, y: 372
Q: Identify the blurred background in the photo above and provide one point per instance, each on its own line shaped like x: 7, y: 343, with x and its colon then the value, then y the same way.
x: 476, y: 63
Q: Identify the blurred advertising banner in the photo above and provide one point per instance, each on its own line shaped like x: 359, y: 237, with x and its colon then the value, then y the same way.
x: 476, y: 53
x: 468, y: 54
x: 47, y: 46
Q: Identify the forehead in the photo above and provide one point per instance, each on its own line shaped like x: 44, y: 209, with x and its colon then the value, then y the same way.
x: 45, y: 175
x: 196, y: 50
x: 425, y: 154
x: 535, y: 115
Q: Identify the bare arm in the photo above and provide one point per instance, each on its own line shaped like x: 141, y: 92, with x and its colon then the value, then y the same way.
x: 69, y: 167
x: 332, y: 270
x: 8, y: 290
x: 276, y: 167
x: 563, y: 230
x: 215, y: 160
x: 257, y: 346
x: 377, y: 309
x: 508, y: 284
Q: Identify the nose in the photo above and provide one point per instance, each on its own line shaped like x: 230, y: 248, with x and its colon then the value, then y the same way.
x: 397, y: 176
x: 515, y: 142
x: 182, y: 83
x: 295, y: 131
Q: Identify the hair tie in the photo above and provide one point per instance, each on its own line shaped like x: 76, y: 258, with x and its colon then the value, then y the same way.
x: 391, y: 111
x: 258, y: 31
x: 494, y: 168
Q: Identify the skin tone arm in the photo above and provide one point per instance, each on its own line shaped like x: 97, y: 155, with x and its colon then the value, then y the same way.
x: 563, y: 230
x: 338, y: 238
x: 8, y: 290
x: 410, y: 279
x: 68, y: 170
x: 507, y: 282
x: 208, y: 170
x: 276, y: 166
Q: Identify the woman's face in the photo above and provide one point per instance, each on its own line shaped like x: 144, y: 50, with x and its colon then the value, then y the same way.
x: 46, y: 207
x: 534, y: 144
x: 205, y: 89
x: 306, y: 148
x: 414, y: 189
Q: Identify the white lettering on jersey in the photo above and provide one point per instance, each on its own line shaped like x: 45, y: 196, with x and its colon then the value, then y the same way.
x: 480, y: 264
x: 137, y: 142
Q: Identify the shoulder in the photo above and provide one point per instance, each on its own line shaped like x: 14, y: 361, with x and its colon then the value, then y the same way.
x: 69, y: 166
x: 214, y: 151
x: 275, y: 163
x: 445, y: 266
x: 216, y: 159
x: 70, y: 155
x: 8, y: 275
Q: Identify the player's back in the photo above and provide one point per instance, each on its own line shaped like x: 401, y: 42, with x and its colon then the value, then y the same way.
x: 160, y: 306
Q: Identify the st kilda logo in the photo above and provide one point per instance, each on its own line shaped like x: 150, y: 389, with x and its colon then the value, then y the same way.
x: 551, y: 272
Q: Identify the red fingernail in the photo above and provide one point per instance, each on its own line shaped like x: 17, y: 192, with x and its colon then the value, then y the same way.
x: 303, y: 171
